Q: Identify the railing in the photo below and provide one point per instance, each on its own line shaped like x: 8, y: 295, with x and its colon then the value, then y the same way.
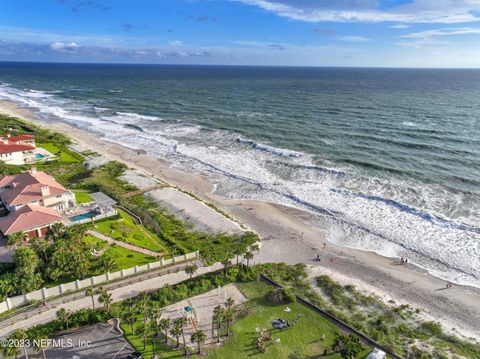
x: 65, y: 288
x: 97, y: 217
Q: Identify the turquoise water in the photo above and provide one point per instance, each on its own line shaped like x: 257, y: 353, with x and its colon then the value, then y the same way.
x: 388, y: 158
x: 80, y: 217
x: 39, y: 156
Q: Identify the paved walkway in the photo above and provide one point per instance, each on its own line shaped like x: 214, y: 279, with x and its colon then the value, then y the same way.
x: 126, y: 245
x: 128, y: 288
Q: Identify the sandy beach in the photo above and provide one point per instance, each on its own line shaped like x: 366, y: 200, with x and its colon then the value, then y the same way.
x: 294, y: 236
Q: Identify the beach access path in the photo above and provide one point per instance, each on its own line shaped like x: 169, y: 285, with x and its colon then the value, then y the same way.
x: 120, y: 290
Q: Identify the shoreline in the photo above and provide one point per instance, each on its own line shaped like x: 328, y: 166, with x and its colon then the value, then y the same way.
x: 291, y: 235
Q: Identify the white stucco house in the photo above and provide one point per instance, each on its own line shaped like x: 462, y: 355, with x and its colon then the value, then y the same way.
x: 17, y: 150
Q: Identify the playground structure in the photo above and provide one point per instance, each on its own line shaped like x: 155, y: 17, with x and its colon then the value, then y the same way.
x: 191, y: 315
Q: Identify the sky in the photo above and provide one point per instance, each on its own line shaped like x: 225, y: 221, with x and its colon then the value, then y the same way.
x: 363, y: 33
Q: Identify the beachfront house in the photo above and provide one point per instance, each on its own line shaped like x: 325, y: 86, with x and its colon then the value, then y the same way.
x: 17, y: 150
x: 34, y: 201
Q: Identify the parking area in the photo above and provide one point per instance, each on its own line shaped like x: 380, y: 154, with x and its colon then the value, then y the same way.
x: 96, y: 341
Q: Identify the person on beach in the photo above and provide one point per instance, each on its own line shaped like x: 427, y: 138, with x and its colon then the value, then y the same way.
x: 318, y: 258
x: 401, y: 260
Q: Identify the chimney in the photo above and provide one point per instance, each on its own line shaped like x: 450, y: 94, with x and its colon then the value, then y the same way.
x: 33, y: 170
x: 13, y: 184
x: 5, y: 141
x: 45, y: 191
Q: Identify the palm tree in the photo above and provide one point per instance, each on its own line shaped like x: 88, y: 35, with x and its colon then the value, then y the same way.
x: 91, y: 292
x: 176, y: 331
x: 255, y: 247
x: 105, y: 298
x: 55, y: 232
x: 143, y: 330
x: 228, y: 316
x: 227, y: 263
x: 191, y: 269
x: 41, y: 344
x: 63, y: 315
x: 129, y: 318
x: 108, y: 264
x: 181, y: 322
x: 144, y: 306
x: 165, y: 324
x: 248, y: 256
x: 15, y: 239
x: 20, y: 335
x: 238, y: 252
x: 199, y: 337
x: 218, y: 315
x: 155, y: 315
x: 229, y: 303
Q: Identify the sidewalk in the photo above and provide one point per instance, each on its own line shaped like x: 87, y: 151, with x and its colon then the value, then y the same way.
x: 122, y: 290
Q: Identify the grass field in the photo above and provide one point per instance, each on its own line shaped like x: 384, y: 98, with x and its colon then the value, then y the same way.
x: 124, y: 258
x: 126, y: 230
x: 310, y: 335
x: 82, y: 197
x: 64, y: 154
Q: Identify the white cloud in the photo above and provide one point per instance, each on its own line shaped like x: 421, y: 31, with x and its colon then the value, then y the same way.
x: 443, y: 32
x: 354, y: 38
x: 62, y: 46
x: 400, y: 26
x: 419, y: 11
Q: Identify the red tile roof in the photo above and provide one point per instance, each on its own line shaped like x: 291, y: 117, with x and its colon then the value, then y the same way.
x: 11, y: 147
x: 27, y: 187
x: 27, y: 218
x: 19, y: 138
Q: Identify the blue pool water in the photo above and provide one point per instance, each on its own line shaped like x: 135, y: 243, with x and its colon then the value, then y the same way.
x: 39, y: 156
x: 83, y: 216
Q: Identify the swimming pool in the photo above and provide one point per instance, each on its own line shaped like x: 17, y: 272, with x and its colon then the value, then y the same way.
x: 39, y: 156
x: 80, y: 217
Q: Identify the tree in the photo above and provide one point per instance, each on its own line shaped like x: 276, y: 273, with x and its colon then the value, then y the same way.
x: 248, y: 256
x: 41, y: 344
x: 181, y: 322
x: 20, y: 335
x: 238, y: 252
x: 191, y: 269
x: 144, y: 331
x: 129, y: 318
x: 199, y: 337
x: 228, y: 316
x: 349, y: 345
x: 105, y: 298
x: 55, y: 232
x: 15, y: 239
x: 176, y: 331
x: 227, y: 263
x: 91, y: 292
x: 229, y: 303
x: 218, y: 316
x: 164, y: 324
x: 63, y: 315
x: 108, y: 264
x: 26, y: 265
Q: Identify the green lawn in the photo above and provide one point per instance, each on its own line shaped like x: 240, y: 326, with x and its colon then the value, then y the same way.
x: 82, y: 197
x: 126, y: 258
x: 308, y: 338
x: 64, y: 154
x: 126, y: 230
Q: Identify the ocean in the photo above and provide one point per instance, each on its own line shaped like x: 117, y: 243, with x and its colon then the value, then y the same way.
x: 388, y: 159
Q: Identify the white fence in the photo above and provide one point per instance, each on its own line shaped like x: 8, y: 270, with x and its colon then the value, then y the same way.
x: 111, y: 213
x: 44, y: 293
